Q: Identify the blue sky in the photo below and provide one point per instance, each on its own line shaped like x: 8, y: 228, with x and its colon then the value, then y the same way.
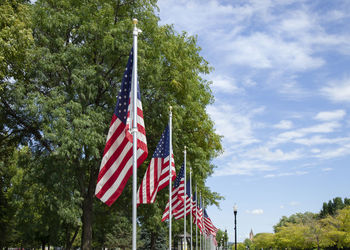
x: 282, y: 89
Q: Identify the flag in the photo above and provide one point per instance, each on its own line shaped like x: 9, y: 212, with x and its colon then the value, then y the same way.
x: 214, y: 241
x: 179, y: 212
x: 198, y: 214
x: 116, y: 165
x: 157, y: 173
x: 178, y: 188
x: 194, y: 206
x: 208, y: 225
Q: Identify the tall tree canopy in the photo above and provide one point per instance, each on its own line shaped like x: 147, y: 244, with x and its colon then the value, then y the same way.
x: 59, y: 100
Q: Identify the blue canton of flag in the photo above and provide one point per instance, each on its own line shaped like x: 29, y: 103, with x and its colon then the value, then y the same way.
x: 162, y: 149
x: 179, y: 177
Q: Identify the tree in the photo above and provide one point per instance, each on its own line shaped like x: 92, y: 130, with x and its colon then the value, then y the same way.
x: 338, y: 228
x: 7, y: 209
x: 220, y: 237
x: 61, y: 104
x: 264, y: 240
x: 240, y: 246
x: 291, y: 235
x: 316, y: 233
x: 15, y: 40
x: 294, y: 219
x: 333, y: 206
x: 248, y: 243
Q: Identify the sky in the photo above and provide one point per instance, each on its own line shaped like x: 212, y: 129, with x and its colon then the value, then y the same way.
x: 281, y: 83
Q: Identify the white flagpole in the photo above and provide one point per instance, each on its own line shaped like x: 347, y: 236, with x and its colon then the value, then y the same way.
x: 204, y: 229
x: 134, y: 134
x: 200, y: 235
x: 170, y: 167
x: 185, y: 199
x: 196, y: 217
x: 191, y: 204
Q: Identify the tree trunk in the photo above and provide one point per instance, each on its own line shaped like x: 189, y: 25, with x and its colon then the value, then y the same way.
x: 69, y: 241
x: 153, y: 241
x: 86, y: 238
x: 87, y: 223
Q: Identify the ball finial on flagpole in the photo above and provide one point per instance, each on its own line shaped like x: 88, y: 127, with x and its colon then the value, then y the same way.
x: 134, y: 21
x: 170, y: 108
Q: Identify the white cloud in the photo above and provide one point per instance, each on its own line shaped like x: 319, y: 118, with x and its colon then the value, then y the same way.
x: 327, y: 169
x: 294, y: 203
x: 337, y: 91
x: 289, y: 47
x: 293, y: 135
x: 331, y: 115
x: 286, y: 174
x: 255, y: 211
x: 263, y: 51
x: 316, y: 140
x: 335, y: 15
x: 264, y: 153
x: 326, y: 127
x: 335, y: 152
x: 267, y: 44
x: 315, y: 150
x: 235, y: 124
x: 226, y: 85
x: 244, y: 167
x: 198, y: 17
x: 284, y: 124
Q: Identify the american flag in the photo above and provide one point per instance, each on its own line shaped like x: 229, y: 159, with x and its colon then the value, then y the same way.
x: 116, y: 165
x: 157, y: 174
x: 176, y: 202
x: 208, y: 225
x: 215, y: 242
x: 198, y: 215
x: 194, y: 206
x: 179, y: 212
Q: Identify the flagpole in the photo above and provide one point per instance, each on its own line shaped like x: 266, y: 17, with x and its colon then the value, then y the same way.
x: 185, y: 199
x: 204, y: 230
x: 134, y: 134
x: 200, y: 235
x: 170, y: 167
x: 196, y: 218
x: 191, y: 204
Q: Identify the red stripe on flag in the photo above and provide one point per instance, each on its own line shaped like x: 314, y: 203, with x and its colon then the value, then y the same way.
x: 114, y: 155
x: 116, y: 173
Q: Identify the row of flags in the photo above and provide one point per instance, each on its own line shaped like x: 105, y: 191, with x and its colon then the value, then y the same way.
x: 117, y: 161
x: 179, y: 201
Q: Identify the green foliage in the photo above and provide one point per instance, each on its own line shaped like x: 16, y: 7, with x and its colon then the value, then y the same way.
x: 264, y: 240
x: 220, y: 237
x: 8, y: 170
x: 308, y: 231
x: 333, y: 206
x: 294, y: 219
x: 15, y: 39
x: 248, y: 243
x: 338, y: 228
x: 240, y: 246
x: 64, y: 63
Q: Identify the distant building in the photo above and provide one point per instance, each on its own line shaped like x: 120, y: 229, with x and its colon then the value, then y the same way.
x: 251, y: 235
